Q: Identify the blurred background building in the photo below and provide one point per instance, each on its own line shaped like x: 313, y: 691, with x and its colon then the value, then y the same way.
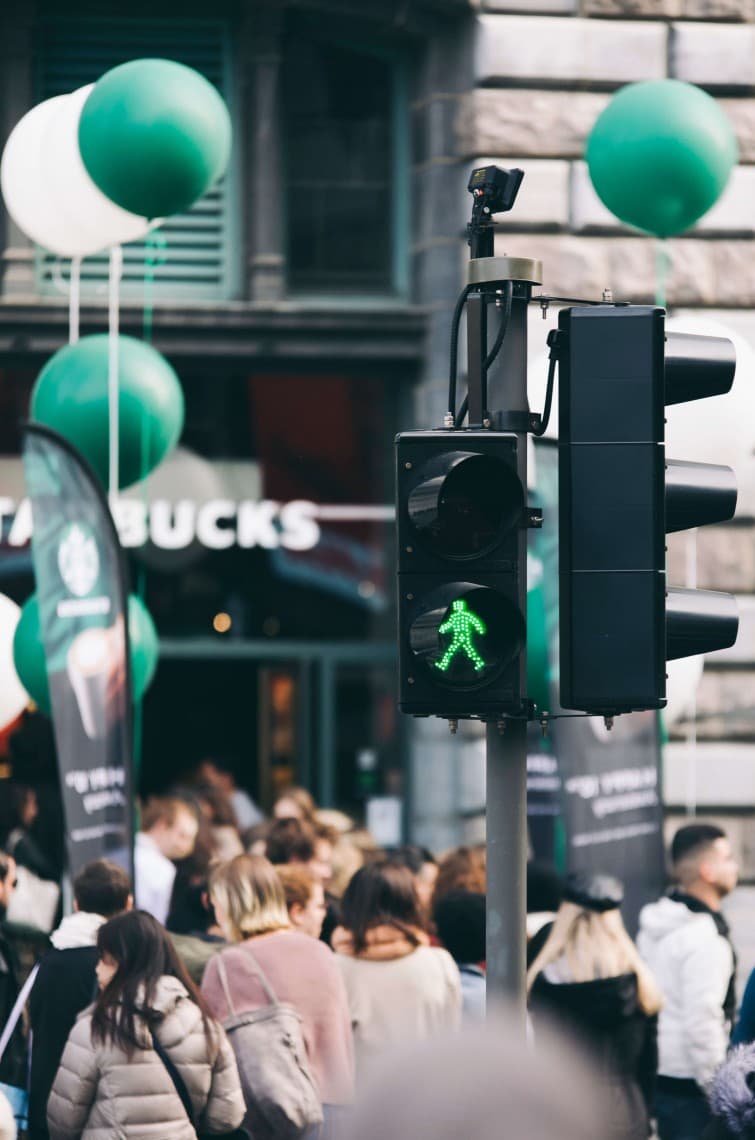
x: 305, y: 303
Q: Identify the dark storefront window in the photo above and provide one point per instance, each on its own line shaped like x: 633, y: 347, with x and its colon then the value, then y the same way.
x: 343, y: 136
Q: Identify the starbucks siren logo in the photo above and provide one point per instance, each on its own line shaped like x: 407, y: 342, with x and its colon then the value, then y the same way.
x: 78, y: 559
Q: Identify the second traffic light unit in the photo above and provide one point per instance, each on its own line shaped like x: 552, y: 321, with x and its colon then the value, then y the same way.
x: 618, y: 498
x: 461, y: 514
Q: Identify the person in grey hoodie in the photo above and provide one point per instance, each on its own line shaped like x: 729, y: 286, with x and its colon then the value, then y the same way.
x: 66, y: 981
x: 685, y: 941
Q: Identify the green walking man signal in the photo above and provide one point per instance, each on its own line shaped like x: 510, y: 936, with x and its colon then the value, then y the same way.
x: 462, y: 623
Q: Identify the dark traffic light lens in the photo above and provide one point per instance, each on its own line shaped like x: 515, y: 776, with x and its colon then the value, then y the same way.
x: 466, y: 634
x: 465, y: 504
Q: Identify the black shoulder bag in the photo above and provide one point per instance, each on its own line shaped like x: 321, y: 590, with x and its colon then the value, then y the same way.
x: 183, y: 1092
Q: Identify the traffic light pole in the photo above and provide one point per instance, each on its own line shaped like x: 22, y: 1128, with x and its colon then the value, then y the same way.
x: 462, y: 518
x: 506, y: 740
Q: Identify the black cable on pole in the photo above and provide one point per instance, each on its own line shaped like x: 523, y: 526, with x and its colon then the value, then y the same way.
x: 454, y: 361
x: 542, y: 427
x: 508, y: 295
x: 553, y: 345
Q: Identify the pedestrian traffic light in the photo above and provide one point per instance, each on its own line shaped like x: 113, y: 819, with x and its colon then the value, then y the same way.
x: 461, y: 510
x: 619, y: 496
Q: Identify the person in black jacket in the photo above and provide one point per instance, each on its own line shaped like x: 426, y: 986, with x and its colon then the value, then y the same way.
x: 589, y: 979
x: 13, y: 1062
x: 66, y: 982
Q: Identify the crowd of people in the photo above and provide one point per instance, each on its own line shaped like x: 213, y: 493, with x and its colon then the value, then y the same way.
x: 254, y: 976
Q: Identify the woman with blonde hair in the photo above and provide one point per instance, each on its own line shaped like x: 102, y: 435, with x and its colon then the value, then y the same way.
x: 268, y: 955
x: 590, y: 979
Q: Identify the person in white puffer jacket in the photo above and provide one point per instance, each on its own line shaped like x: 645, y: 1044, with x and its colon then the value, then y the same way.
x: 112, y: 1081
x: 685, y: 940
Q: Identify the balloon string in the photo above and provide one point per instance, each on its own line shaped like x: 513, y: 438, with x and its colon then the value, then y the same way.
x: 154, y: 254
x: 155, y: 248
x: 114, y: 280
x: 662, y: 270
x: 74, y: 301
x: 691, y: 584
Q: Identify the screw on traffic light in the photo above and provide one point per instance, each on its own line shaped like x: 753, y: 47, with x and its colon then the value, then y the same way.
x: 619, y: 496
x: 461, y: 514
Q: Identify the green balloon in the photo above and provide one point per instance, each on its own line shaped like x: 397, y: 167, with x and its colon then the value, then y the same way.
x: 71, y: 396
x: 660, y: 155
x: 154, y: 135
x: 143, y: 644
x: 29, y: 655
x: 31, y: 664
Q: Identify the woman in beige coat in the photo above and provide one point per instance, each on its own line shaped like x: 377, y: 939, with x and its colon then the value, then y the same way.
x: 400, y: 988
x: 111, y: 1081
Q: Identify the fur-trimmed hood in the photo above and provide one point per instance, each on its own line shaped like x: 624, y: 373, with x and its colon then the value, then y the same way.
x: 384, y: 942
x: 732, y: 1094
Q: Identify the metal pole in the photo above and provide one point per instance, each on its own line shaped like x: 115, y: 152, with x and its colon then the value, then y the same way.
x: 506, y: 743
x: 506, y: 864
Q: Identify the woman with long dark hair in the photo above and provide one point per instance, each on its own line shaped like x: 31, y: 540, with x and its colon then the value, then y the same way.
x: 400, y: 988
x: 18, y: 811
x: 112, y: 1079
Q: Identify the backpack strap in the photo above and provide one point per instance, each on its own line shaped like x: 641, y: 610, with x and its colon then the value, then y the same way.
x: 18, y: 1008
x: 224, y: 983
x: 270, y: 993
x: 175, y: 1076
x: 13, y: 840
x: 256, y: 969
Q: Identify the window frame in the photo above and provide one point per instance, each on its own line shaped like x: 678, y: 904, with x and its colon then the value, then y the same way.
x: 398, y: 290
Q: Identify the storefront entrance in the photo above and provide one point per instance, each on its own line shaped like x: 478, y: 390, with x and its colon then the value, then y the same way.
x: 322, y: 715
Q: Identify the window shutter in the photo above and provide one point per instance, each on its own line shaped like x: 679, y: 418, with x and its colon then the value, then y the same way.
x: 200, y: 259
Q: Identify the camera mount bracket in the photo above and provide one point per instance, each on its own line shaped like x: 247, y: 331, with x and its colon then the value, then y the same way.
x: 497, y: 270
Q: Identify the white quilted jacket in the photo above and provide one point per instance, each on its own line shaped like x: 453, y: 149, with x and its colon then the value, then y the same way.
x: 101, y: 1094
x: 692, y: 964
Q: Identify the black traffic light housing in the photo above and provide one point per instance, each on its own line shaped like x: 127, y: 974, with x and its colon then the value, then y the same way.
x: 461, y: 514
x: 619, y: 496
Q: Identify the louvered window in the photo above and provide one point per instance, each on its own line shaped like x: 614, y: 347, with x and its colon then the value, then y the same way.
x: 200, y: 254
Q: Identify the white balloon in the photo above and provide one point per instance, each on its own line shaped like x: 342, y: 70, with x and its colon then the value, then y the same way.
x: 47, y: 190
x: 683, y: 679
x: 13, y: 696
x: 80, y: 202
x: 29, y: 198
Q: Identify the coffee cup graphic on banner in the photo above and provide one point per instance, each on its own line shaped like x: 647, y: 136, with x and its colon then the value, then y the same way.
x: 89, y: 665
